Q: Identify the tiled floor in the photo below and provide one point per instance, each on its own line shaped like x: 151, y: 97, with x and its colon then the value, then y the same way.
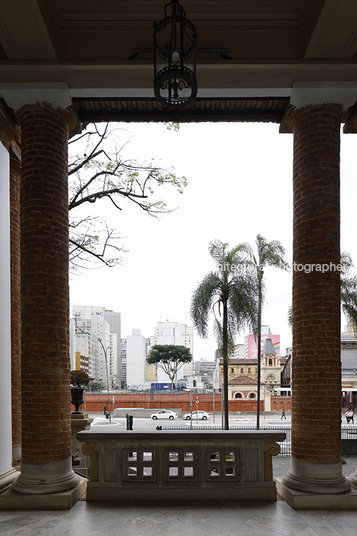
x: 251, y: 520
x: 259, y: 519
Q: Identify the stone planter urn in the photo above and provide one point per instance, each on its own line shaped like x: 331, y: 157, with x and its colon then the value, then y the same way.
x: 79, y: 379
x: 77, y: 398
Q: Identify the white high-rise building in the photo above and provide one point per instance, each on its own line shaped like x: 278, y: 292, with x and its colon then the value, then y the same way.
x: 89, y: 327
x: 123, y: 363
x: 179, y: 335
x: 114, y: 320
x: 136, y: 352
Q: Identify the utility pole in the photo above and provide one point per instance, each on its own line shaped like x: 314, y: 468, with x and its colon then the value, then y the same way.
x: 105, y: 350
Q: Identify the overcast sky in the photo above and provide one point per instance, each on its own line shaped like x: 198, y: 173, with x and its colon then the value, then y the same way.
x: 239, y: 184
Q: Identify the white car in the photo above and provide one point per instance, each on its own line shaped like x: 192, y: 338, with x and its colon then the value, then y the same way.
x: 203, y: 415
x: 164, y: 414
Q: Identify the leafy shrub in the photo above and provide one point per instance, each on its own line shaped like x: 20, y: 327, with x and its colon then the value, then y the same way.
x: 79, y: 378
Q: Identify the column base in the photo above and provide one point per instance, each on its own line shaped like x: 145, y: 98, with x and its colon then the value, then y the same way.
x: 353, y: 479
x: 11, y: 500
x: 323, y: 477
x: 39, y: 478
x: 7, y: 478
x: 300, y: 500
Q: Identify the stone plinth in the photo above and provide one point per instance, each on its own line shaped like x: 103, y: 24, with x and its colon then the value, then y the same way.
x: 79, y: 422
x: 12, y: 500
x: 300, y: 500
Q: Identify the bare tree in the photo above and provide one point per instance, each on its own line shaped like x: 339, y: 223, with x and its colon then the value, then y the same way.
x: 100, y: 171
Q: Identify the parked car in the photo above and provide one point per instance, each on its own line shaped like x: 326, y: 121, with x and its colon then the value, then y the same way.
x: 164, y: 414
x: 203, y: 415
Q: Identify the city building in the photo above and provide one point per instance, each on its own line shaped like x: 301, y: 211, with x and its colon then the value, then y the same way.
x: 270, y: 365
x: 250, y: 343
x: 238, y: 367
x: 114, y: 321
x: 242, y: 387
x: 176, y: 334
x: 205, y: 369
x: 136, y: 353
x: 95, y: 333
x: 349, y: 367
x: 82, y: 362
x: 123, y: 363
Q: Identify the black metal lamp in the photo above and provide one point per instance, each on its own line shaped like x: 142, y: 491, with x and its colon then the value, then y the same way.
x: 175, y: 42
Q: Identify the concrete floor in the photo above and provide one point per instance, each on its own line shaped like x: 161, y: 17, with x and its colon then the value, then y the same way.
x: 257, y: 519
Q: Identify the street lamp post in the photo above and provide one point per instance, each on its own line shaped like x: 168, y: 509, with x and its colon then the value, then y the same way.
x: 107, y: 371
x: 190, y: 405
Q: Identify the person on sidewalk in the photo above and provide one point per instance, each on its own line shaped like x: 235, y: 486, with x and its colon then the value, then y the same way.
x: 283, y: 416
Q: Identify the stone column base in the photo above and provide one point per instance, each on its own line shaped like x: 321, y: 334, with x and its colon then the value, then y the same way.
x: 7, y: 478
x: 300, y: 500
x: 11, y: 500
x: 38, y: 478
x: 353, y: 479
x: 323, y: 478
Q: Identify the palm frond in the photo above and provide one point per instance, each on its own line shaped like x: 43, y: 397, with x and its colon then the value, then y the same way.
x: 203, y: 299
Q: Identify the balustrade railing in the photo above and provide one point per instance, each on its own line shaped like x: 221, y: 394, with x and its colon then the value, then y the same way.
x: 176, y: 466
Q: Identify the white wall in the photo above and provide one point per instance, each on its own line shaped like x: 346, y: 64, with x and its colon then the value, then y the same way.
x: 5, y: 329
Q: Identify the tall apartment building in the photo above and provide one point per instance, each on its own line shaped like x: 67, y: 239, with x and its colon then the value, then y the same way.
x: 123, y: 363
x: 136, y: 352
x: 89, y: 326
x: 114, y: 321
x: 177, y: 334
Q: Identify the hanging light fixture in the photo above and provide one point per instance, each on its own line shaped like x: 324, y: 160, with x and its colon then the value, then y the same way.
x: 175, y: 42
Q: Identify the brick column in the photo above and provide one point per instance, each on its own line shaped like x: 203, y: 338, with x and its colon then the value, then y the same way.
x: 316, y: 375
x: 46, y: 423
x: 15, y: 272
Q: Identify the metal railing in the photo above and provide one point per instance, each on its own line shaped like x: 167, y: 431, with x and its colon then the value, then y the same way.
x: 348, y: 434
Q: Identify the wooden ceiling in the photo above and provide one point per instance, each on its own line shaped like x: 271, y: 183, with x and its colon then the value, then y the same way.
x: 88, y: 45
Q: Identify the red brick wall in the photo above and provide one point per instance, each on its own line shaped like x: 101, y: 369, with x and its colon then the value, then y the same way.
x: 96, y: 402
x: 15, y: 175
x: 316, y: 397
x: 280, y: 402
x: 46, y: 427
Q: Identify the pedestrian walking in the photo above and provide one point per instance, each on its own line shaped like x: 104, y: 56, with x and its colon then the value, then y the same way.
x: 283, y: 416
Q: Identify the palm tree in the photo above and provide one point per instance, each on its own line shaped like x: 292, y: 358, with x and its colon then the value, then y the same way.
x: 348, y: 291
x: 230, y: 293
x: 266, y: 254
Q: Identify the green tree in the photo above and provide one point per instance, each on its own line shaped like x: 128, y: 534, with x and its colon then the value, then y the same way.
x: 264, y: 254
x: 230, y: 293
x: 170, y: 358
x: 96, y: 386
x: 98, y: 172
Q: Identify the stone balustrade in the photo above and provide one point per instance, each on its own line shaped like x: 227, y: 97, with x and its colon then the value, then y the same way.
x: 175, y: 466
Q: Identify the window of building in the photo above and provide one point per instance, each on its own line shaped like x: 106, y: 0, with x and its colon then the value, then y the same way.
x: 238, y: 395
x: 249, y: 370
x: 242, y: 370
x: 251, y: 395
